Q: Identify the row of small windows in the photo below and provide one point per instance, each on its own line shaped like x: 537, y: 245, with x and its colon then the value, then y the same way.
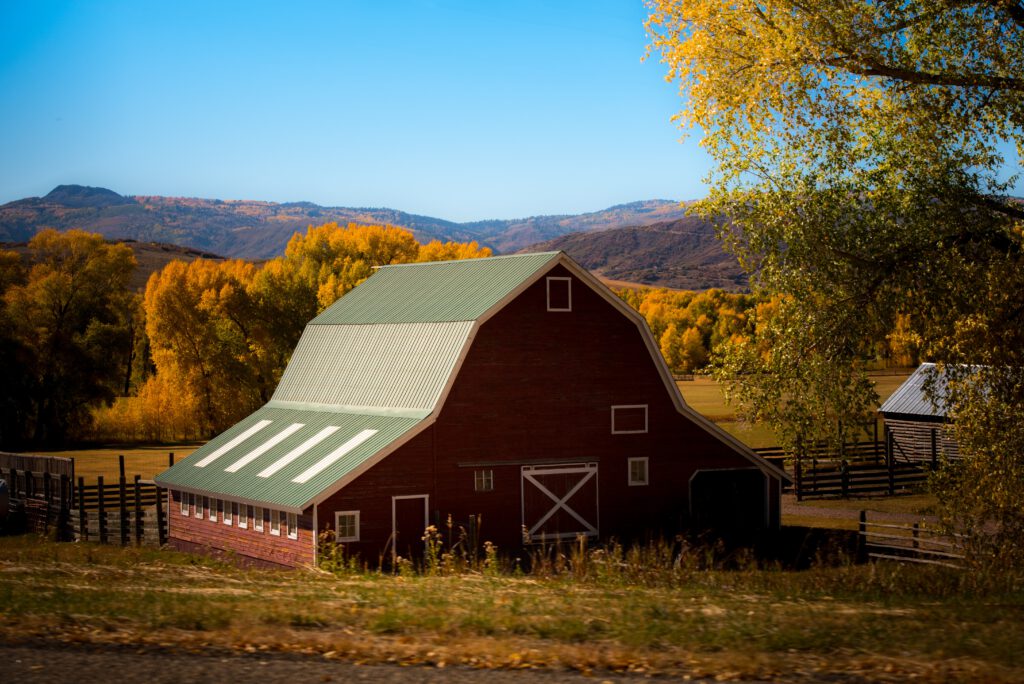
x: 231, y: 512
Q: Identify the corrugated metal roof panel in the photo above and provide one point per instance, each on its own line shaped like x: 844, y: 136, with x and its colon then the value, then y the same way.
x: 435, y: 291
x: 400, y: 365
x: 298, y: 481
x: 910, y: 398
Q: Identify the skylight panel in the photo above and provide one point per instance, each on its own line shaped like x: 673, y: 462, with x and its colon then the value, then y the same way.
x: 299, y: 450
x: 233, y: 443
x: 264, y: 448
x: 334, y: 456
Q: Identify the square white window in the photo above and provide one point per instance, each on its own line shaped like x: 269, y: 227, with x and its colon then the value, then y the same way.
x: 483, y: 480
x: 275, y: 523
x: 629, y: 419
x: 257, y: 519
x: 346, y: 526
x: 559, y: 293
x: 215, y: 505
x: 184, y: 503
x: 228, y: 505
x: 638, y: 471
x: 292, y: 523
x: 243, y: 516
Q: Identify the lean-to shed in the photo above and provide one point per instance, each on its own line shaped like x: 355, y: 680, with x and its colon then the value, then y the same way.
x: 916, y: 429
x: 516, y: 394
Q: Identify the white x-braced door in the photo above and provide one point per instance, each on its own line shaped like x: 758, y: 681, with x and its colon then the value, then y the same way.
x: 559, y: 501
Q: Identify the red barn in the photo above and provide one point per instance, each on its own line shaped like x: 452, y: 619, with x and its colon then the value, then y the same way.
x: 516, y: 388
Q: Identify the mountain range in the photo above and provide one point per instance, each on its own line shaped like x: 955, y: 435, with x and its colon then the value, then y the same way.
x: 650, y: 242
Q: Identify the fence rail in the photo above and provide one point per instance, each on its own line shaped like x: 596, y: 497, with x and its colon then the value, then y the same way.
x: 913, y: 543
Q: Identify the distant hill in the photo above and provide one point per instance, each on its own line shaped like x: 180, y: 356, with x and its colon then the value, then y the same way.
x: 258, y: 230
x: 150, y: 257
x: 682, y: 254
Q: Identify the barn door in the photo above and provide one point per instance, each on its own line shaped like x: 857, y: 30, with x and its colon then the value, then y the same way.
x: 408, y: 522
x: 560, y: 501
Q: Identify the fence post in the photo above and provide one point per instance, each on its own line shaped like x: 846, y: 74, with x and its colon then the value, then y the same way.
x: 123, y: 499
x: 102, y: 510
x: 83, y: 517
x: 862, y: 537
x: 138, y: 510
x: 65, y: 528
x: 935, y: 451
x: 889, y: 458
x: 170, y: 459
x: 798, y: 476
x: 916, y: 533
x: 161, y: 536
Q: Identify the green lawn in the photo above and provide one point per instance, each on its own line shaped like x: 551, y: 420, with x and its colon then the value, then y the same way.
x: 146, y: 461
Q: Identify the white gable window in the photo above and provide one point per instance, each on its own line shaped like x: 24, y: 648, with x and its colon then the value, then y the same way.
x: 638, y: 471
x: 559, y: 293
x: 275, y: 523
x: 257, y: 519
x: 628, y: 419
x: 184, y: 503
x: 483, y: 480
x: 293, y: 526
x: 243, y: 516
x: 346, y: 526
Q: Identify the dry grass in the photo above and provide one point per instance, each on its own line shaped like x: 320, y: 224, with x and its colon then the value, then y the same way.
x: 146, y: 461
x: 872, y: 623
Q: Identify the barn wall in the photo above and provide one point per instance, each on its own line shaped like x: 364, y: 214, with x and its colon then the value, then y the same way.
x: 189, y: 533
x: 912, y: 439
x: 537, y: 387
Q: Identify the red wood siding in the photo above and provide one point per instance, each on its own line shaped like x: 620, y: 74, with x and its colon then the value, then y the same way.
x: 538, y: 387
x: 190, y: 533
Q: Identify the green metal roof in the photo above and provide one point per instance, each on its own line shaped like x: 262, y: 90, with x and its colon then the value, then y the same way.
x: 435, y: 291
x: 393, y: 368
x: 284, y: 457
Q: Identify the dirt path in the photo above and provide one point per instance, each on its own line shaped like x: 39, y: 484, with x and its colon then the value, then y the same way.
x: 791, y: 507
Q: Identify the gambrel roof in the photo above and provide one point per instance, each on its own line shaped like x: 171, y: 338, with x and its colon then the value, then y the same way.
x: 370, y: 373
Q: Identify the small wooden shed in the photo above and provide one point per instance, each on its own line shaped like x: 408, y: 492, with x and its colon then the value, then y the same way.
x: 516, y: 394
x: 917, y: 430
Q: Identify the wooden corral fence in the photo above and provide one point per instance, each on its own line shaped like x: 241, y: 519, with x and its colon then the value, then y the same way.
x: 125, y: 511
x: 854, y: 469
x: 913, y: 543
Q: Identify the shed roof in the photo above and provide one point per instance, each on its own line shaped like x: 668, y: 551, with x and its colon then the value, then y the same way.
x: 910, y: 398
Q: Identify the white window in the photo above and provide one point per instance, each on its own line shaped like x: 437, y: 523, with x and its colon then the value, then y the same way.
x: 214, y: 507
x: 638, y: 471
x: 293, y: 526
x: 629, y: 419
x: 194, y: 502
x: 483, y: 480
x: 202, y: 505
x: 275, y: 523
x: 228, y: 505
x: 243, y: 516
x: 559, y: 293
x: 257, y: 519
x: 184, y: 503
x: 346, y: 526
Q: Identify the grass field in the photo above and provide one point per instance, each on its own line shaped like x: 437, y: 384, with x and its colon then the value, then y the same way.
x: 146, y: 461
x: 843, y: 624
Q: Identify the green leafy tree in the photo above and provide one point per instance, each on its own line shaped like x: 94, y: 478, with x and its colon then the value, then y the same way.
x: 858, y: 160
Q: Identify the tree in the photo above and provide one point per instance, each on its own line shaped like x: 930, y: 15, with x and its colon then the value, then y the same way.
x: 859, y: 177
x: 65, y: 319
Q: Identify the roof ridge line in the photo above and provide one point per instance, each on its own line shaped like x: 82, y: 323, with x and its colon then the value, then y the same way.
x: 470, y: 259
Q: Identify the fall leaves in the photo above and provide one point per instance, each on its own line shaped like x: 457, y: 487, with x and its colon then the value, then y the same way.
x: 204, y: 346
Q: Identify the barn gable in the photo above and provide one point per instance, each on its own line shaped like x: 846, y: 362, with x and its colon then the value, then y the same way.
x: 910, y: 399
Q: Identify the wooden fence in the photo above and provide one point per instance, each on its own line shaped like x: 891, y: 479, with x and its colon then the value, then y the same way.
x: 914, y: 543
x: 856, y: 468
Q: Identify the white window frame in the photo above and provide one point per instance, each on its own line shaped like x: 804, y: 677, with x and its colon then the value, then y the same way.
x: 275, y: 522
x: 568, y: 282
x: 483, y: 480
x: 192, y: 504
x: 647, y: 471
x: 292, y: 521
x: 184, y: 504
x: 629, y: 406
x: 201, y: 507
x: 257, y: 518
x: 337, y: 526
x: 243, y: 516
x: 214, y: 505
x: 228, y: 505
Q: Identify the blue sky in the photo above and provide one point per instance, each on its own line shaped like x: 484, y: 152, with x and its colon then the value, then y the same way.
x: 461, y: 110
